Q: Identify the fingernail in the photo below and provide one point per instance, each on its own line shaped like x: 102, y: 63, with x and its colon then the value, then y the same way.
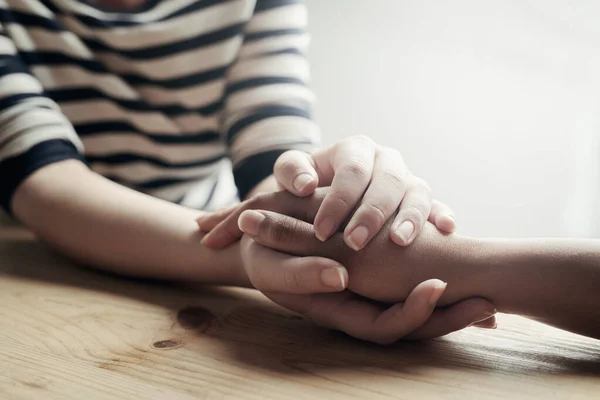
x: 302, y: 181
x: 487, y: 314
x: 334, y: 277
x: 325, y: 229
x: 452, y: 219
x: 405, y: 231
x: 437, y: 292
x: 249, y: 222
x: 357, y: 238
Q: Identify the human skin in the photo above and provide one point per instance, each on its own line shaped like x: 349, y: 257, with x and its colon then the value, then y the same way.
x: 554, y: 281
x: 110, y: 227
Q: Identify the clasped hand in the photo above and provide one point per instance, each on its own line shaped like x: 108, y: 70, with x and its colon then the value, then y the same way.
x: 283, y: 258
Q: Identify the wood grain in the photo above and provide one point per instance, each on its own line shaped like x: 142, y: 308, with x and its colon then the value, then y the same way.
x: 67, y: 332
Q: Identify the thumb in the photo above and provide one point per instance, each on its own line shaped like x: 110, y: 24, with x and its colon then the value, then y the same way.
x: 286, y: 234
x: 295, y: 171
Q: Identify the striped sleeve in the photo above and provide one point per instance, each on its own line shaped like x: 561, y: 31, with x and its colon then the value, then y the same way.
x: 267, y: 107
x: 33, y: 131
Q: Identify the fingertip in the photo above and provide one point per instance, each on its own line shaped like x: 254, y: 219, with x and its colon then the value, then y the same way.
x: 446, y: 224
x: 358, y: 238
x: 488, y: 323
x: 212, y: 241
x: 205, y: 241
x: 437, y: 292
x: 405, y: 233
x: 397, y: 239
x: 325, y: 228
x: 249, y: 222
x: 335, y: 278
x: 304, y: 184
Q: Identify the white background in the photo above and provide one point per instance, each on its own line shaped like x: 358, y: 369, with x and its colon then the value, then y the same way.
x: 494, y: 103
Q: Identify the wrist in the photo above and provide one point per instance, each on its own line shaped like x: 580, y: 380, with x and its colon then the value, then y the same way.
x: 456, y: 260
x: 220, y: 267
x: 239, y: 276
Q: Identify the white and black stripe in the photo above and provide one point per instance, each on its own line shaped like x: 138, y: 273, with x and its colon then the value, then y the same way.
x: 154, y: 99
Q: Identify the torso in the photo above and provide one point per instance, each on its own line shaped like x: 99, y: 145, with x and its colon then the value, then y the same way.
x: 143, y: 89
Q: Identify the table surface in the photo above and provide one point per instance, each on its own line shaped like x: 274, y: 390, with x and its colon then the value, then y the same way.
x: 67, y: 332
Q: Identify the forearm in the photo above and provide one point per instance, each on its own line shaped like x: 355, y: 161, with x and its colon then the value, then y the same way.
x: 555, y: 281
x: 105, y: 225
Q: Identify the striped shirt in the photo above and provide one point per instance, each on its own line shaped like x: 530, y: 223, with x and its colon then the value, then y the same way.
x: 169, y: 99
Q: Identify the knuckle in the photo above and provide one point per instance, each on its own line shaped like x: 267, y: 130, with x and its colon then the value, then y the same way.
x: 293, y: 279
x: 377, y: 212
x: 282, y: 231
x: 356, y: 168
x: 341, y: 201
x: 286, y: 162
x: 423, y: 186
x: 394, y: 181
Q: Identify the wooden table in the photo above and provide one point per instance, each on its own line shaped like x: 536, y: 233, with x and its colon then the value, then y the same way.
x: 67, y: 332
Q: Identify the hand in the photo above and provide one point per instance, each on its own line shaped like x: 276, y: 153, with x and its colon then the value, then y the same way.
x: 370, y: 179
x: 381, y: 271
x: 271, y: 271
x: 416, y: 318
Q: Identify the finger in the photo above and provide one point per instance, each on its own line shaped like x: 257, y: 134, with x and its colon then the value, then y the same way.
x: 227, y: 231
x: 286, y: 234
x: 489, y: 323
x: 400, y: 320
x: 353, y: 166
x: 454, y: 318
x: 295, y: 171
x: 414, y: 211
x: 208, y: 221
x: 442, y: 217
x: 381, y: 200
x: 366, y: 320
x: 272, y: 271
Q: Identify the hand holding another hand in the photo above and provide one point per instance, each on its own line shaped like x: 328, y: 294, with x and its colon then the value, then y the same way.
x: 368, y: 185
x: 284, y: 259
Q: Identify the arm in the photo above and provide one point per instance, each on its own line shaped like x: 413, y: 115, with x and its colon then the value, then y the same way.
x: 115, y: 228
x: 112, y: 227
x: 45, y: 184
x: 554, y: 281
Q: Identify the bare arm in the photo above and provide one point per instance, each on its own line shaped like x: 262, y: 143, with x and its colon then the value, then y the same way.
x: 554, y: 281
x: 109, y: 226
